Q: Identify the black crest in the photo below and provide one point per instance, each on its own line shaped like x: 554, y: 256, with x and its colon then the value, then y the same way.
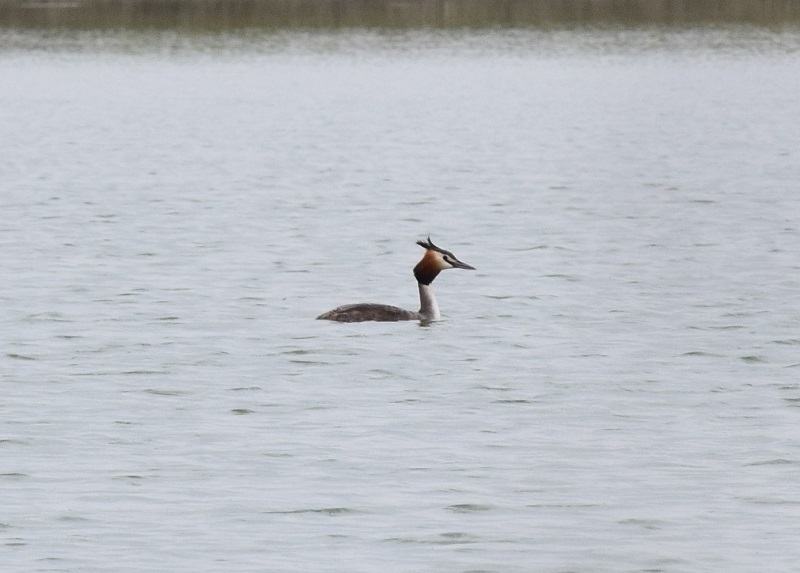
x: 430, y: 246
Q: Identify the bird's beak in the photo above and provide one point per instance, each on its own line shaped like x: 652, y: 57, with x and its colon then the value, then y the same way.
x: 459, y: 265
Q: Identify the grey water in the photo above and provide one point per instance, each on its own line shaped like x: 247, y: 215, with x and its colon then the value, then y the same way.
x: 616, y: 388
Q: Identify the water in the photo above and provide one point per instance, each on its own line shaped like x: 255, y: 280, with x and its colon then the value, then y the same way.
x: 615, y: 389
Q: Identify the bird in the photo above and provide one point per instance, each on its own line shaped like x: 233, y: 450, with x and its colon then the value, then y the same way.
x: 427, y: 269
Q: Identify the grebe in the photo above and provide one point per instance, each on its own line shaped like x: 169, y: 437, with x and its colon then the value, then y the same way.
x: 433, y: 261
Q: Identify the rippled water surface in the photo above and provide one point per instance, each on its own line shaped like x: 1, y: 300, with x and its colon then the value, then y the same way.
x: 614, y: 389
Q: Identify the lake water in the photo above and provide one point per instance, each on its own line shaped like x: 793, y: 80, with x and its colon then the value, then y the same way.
x: 615, y: 389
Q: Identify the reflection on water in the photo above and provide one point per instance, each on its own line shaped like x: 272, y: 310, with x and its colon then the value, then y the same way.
x: 522, y: 42
x: 223, y: 14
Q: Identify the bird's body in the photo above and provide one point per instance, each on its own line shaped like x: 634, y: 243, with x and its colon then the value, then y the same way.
x: 433, y: 262
x: 368, y: 311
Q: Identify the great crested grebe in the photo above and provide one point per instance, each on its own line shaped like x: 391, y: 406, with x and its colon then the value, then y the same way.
x: 433, y: 262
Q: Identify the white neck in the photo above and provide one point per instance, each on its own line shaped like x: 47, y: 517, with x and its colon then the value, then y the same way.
x: 428, y: 309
